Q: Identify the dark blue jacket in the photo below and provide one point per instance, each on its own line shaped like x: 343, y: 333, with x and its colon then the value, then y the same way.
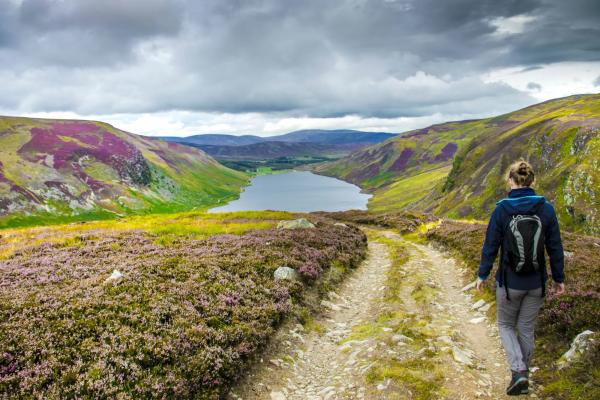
x: 522, y: 201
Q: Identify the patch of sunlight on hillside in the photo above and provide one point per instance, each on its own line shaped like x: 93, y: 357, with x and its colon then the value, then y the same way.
x: 407, y: 190
x: 165, y: 227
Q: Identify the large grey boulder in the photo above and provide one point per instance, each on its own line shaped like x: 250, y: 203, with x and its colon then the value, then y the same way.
x: 286, y: 273
x: 580, y: 346
x: 295, y: 224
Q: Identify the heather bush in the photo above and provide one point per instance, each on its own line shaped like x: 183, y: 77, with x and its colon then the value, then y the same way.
x: 181, y: 322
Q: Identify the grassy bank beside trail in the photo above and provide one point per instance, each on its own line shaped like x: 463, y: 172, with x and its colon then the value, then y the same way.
x: 561, y: 318
x: 403, y: 222
x: 196, y: 300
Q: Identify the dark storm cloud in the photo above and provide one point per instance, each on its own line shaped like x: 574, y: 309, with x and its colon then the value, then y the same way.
x: 318, y: 58
x: 84, y: 33
x: 534, y: 86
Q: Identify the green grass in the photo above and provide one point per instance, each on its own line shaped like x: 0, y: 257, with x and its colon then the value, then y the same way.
x: 402, y: 193
x: 421, y: 373
x: 422, y: 377
x: 165, y: 227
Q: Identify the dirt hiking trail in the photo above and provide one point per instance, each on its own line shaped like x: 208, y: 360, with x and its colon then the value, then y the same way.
x: 399, y: 327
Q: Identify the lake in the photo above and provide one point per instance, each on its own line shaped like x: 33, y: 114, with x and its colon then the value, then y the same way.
x: 298, y: 191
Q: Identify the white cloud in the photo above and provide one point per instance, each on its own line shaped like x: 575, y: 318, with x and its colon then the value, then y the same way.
x: 555, y: 80
x: 506, y: 26
x: 185, y: 123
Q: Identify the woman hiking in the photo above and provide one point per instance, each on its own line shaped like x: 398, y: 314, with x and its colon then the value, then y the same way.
x: 522, y: 225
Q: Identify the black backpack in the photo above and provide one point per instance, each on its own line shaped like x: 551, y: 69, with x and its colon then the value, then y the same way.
x: 524, y: 247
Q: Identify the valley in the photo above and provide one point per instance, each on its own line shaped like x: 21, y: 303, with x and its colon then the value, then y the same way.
x: 249, y: 153
x: 115, y: 281
x: 299, y: 200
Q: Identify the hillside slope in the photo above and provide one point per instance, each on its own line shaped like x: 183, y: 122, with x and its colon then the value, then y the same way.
x: 416, y: 160
x: 458, y: 168
x: 65, y: 169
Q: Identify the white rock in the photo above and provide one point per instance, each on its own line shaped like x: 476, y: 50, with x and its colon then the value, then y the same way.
x: 486, y: 307
x: 340, y: 224
x: 275, y: 362
x: 476, y: 320
x: 329, y: 395
x: 327, y: 390
x: 286, y: 273
x: 401, y: 338
x: 478, y: 304
x: 330, y: 305
x: 461, y: 356
x: 115, y: 276
x: 445, y: 339
x: 568, y: 254
x: 295, y: 224
x: 277, y: 396
x: 579, y: 347
x: 469, y: 286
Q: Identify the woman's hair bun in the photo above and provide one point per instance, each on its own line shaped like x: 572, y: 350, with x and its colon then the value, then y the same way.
x: 523, y: 169
x: 521, y: 173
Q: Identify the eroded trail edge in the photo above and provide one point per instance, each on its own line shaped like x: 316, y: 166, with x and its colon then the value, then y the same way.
x: 399, y: 327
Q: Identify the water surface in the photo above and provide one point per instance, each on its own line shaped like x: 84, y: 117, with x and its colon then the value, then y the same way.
x: 298, y: 191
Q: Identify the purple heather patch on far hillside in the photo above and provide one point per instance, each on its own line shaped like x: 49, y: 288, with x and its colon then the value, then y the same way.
x: 71, y: 140
x: 88, y: 139
x: 447, y: 152
x: 365, y: 173
x: 402, y: 161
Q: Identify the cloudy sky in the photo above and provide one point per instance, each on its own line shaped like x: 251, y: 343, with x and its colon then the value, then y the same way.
x: 177, y: 67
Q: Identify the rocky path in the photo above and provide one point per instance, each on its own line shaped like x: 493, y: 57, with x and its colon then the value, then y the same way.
x: 400, y: 327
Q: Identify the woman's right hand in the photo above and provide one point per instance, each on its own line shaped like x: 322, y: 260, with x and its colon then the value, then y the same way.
x: 560, y: 289
x: 479, y: 284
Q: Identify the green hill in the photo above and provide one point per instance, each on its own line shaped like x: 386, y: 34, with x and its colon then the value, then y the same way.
x: 59, y: 170
x: 458, y: 168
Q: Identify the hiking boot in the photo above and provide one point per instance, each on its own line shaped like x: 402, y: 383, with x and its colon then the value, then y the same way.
x: 519, y: 384
x: 525, y: 389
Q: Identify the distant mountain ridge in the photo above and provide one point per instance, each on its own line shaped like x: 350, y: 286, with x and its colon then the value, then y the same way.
x: 248, y: 152
x: 64, y: 169
x: 215, y: 139
x: 458, y: 168
x: 323, y: 136
x: 271, y: 150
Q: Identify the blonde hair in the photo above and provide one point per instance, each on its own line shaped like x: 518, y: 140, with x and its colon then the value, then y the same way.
x: 521, y: 173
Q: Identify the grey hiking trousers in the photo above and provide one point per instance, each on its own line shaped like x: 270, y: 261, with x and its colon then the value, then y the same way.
x: 516, y: 324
